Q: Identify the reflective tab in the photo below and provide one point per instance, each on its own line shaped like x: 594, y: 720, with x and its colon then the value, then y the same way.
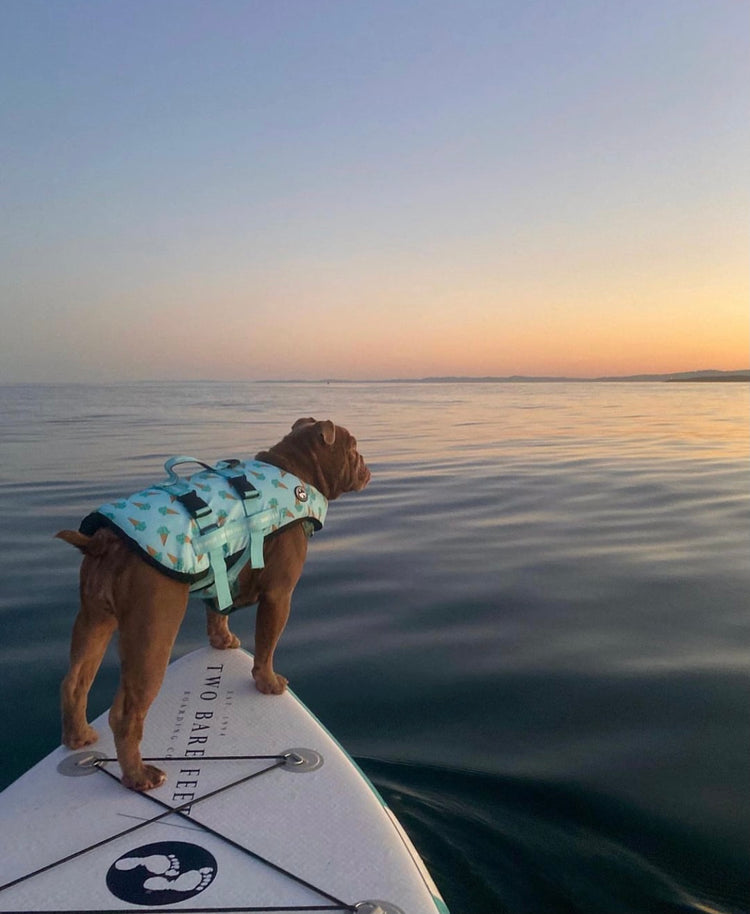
x: 256, y: 550
x: 221, y: 581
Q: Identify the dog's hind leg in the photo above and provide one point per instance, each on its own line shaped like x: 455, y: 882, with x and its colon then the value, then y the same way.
x: 104, y: 553
x: 150, y: 617
x: 92, y: 632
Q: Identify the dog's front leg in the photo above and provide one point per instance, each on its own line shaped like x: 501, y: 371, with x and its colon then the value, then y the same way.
x: 270, y: 621
x: 154, y: 607
x: 217, y: 628
x: 272, y: 588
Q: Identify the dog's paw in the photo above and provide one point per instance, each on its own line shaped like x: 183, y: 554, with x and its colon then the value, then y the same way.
x: 146, y: 778
x: 224, y: 641
x: 269, y: 683
x: 77, y: 739
x: 219, y: 635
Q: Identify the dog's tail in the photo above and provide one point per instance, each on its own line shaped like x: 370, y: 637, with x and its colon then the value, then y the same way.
x: 79, y: 540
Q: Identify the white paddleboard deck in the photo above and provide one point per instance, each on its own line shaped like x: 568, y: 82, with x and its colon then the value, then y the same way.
x: 273, y: 814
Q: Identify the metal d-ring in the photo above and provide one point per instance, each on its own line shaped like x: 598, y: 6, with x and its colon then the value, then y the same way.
x: 81, y: 764
x: 302, y: 760
x: 377, y: 907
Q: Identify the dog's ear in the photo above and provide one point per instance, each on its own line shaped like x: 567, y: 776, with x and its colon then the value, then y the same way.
x: 327, y: 431
x: 326, y: 428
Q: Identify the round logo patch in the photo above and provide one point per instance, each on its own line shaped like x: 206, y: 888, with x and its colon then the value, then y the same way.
x: 162, y: 873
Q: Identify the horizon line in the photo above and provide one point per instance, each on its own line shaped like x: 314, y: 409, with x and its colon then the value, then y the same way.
x: 741, y: 374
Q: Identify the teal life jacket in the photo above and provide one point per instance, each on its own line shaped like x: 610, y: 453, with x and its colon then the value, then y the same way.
x: 203, y: 529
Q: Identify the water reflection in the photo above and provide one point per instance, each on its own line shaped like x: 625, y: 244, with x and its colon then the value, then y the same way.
x: 544, y: 583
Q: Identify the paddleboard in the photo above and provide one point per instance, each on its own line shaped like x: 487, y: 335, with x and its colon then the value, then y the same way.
x: 262, y: 810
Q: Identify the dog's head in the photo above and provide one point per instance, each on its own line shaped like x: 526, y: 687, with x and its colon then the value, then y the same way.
x: 323, y: 454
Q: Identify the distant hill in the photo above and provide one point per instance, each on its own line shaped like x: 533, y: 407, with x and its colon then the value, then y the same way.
x: 531, y: 379
x: 713, y: 376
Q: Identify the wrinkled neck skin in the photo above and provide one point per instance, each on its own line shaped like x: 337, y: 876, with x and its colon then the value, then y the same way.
x: 297, y: 458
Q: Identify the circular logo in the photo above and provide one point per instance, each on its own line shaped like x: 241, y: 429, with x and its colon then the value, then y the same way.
x: 300, y: 493
x: 162, y: 873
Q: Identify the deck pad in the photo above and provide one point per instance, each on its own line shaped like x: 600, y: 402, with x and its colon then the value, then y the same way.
x: 272, y: 813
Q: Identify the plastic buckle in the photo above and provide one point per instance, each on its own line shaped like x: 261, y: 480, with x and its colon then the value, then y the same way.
x: 194, y: 504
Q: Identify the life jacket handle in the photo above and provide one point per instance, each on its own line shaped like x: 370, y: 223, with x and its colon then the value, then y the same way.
x: 174, y: 477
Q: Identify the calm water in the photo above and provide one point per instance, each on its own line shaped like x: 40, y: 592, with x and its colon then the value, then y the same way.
x: 532, y: 627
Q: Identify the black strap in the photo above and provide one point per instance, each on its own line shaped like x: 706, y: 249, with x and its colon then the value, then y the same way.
x: 243, y: 487
x: 278, y: 761
x: 340, y: 905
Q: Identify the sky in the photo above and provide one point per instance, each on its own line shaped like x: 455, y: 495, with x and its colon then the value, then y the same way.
x: 366, y: 189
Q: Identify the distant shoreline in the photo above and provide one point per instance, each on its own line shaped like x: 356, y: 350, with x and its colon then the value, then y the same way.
x: 737, y: 377
x: 707, y: 376
x: 682, y: 377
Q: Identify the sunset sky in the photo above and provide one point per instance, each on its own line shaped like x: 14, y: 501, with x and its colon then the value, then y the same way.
x: 372, y: 188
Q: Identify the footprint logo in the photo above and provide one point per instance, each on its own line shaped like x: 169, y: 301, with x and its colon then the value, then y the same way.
x: 162, y: 873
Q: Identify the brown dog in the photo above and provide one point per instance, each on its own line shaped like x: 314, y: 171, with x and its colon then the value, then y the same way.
x: 120, y: 590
